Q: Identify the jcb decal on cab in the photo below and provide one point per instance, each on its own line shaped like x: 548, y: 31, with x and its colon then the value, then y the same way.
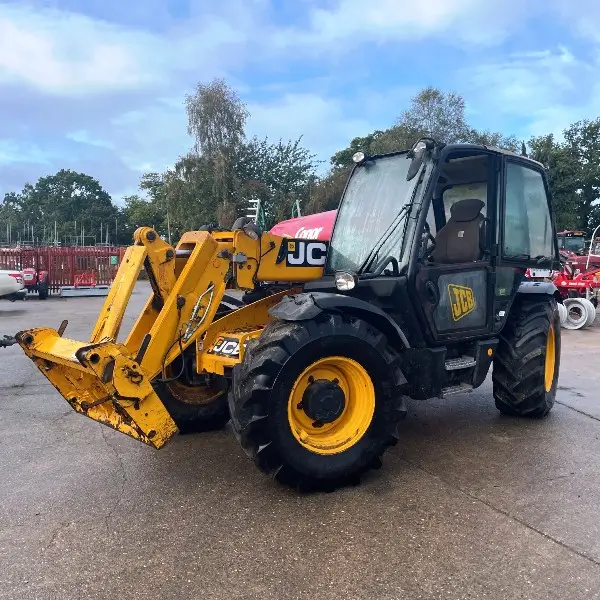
x: 462, y: 300
x: 302, y: 253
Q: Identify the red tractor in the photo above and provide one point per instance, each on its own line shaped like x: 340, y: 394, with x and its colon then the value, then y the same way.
x: 37, y: 280
x: 581, y: 253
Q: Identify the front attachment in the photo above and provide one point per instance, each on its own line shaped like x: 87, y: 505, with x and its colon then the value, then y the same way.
x: 102, y: 382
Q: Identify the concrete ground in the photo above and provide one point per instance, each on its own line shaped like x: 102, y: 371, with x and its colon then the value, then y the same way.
x: 468, y: 505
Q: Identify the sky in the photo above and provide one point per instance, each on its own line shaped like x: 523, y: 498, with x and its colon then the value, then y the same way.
x: 99, y: 86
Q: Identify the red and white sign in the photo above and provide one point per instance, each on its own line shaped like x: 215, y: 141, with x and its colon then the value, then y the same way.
x: 310, y: 227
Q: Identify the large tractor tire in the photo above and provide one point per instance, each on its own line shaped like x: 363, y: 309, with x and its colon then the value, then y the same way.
x: 194, y: 407
x: 196, y: 403
x: 527, y: 361
x: 316, y: 403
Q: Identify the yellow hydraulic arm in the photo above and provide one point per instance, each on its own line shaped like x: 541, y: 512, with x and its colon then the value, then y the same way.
x: 112, y: 382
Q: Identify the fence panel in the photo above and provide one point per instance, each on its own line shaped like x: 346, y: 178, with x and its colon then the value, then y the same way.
x: 64, y: 264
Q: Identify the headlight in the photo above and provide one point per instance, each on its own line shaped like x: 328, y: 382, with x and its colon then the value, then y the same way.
x: 358, y: 157
x: 345, y: 281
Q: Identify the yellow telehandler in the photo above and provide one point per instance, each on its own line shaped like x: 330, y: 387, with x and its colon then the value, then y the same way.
x: 310, y: 348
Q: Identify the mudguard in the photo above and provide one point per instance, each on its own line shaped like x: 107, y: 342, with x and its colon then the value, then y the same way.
x: 302, y: 307
x: 540, y: 287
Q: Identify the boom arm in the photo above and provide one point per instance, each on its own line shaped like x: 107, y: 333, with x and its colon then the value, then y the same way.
x: 112, y: 382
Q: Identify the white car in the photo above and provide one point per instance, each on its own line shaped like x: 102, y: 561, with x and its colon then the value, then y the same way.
x: 11, y: 285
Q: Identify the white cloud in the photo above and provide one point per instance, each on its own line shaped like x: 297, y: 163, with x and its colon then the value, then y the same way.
x: 323, y: 123
x: 67, y: 53
x: 62, y: 53
x: 545, y: 91
x: 12, y: 152
x: 348, y: 23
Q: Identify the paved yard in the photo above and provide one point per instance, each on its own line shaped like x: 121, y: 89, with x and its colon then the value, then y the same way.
x: 468, y: 505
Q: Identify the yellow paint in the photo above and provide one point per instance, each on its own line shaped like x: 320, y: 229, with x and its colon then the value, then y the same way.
x: 261, y: 261
x: 101, y: 382
x: 550, y: 363
x: 102, y: 379
x: 462, y: 301
x: 352, y: 424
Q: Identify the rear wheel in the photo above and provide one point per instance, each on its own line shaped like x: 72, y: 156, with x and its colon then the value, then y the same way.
x: 527, y: 361
x: 316, y: 403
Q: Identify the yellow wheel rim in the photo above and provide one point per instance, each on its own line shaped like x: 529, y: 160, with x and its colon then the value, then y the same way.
x: 357, y: 413
x: 550, y: 359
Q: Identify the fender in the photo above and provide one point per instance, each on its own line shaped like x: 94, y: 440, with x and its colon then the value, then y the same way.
x: 302, y: 307
x: 540, y: 287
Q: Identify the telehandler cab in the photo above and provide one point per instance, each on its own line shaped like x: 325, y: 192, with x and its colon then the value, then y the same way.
x: 418, y: 293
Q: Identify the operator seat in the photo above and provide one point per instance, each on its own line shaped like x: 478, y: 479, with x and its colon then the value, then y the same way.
x: 462, y: 238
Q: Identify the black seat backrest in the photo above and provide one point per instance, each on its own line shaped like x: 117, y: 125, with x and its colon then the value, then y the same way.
x: 459, y: 240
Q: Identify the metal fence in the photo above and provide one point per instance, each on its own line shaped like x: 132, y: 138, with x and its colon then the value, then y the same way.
x: 64, y: 265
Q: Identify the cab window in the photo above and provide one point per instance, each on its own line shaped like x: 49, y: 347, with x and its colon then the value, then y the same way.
x: 527, y: 223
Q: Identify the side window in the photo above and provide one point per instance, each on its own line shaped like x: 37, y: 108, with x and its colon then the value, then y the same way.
x: 527, y: 224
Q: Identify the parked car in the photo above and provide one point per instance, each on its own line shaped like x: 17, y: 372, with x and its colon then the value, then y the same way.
x: 11, y: 285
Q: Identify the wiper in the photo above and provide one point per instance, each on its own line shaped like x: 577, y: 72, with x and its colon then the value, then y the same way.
x: 383, y: 239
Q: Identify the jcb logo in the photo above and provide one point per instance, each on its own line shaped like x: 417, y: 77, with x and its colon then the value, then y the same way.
x: 462, y: 301
x: 306, y: 254
x: 226, y: 347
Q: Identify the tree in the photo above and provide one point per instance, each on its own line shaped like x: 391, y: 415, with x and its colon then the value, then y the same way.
x: 493, y: 138
x: 583, y: 142
x: 366, y: 144
x: 437, y: 114
x: 138, y: 212
x: 278, y: 174
x: 64, y: 205
x: 216, y: 119
x: 563, y: 172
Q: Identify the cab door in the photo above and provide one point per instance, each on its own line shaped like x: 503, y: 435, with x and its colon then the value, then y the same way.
x: 456, y: 300
x: 526, y: 231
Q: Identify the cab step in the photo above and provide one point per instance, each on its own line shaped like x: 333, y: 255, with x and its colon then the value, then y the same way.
x: 456, y: 389
x: 461, y: 362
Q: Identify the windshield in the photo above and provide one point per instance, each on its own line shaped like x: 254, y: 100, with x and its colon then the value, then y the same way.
x: 376, y: 194
x: 574, y: 244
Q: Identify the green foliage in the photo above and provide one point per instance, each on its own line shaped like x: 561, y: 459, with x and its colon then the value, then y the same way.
x: 563, y: 177
x: 67, y: 203
x: 582, y: 139
x: 277, y: 174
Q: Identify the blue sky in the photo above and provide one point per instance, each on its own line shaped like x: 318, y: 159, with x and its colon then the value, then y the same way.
x: 98, y: 85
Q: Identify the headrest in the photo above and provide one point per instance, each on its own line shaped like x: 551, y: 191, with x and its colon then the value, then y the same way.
x: 466, y: 210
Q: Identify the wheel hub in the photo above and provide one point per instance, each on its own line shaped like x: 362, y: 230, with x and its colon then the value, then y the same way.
x: 323, y: 401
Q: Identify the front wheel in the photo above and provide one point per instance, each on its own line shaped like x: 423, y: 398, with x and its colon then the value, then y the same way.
x: 316, y: 403
x: 527, y: 361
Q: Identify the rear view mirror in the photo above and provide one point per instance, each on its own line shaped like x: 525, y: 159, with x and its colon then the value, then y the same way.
x: 418, y: 153
x: 415, y: 164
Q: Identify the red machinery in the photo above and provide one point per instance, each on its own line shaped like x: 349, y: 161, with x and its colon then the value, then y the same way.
x: 37, y: 280
x: 312, y: 227
x: 583, y: 254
